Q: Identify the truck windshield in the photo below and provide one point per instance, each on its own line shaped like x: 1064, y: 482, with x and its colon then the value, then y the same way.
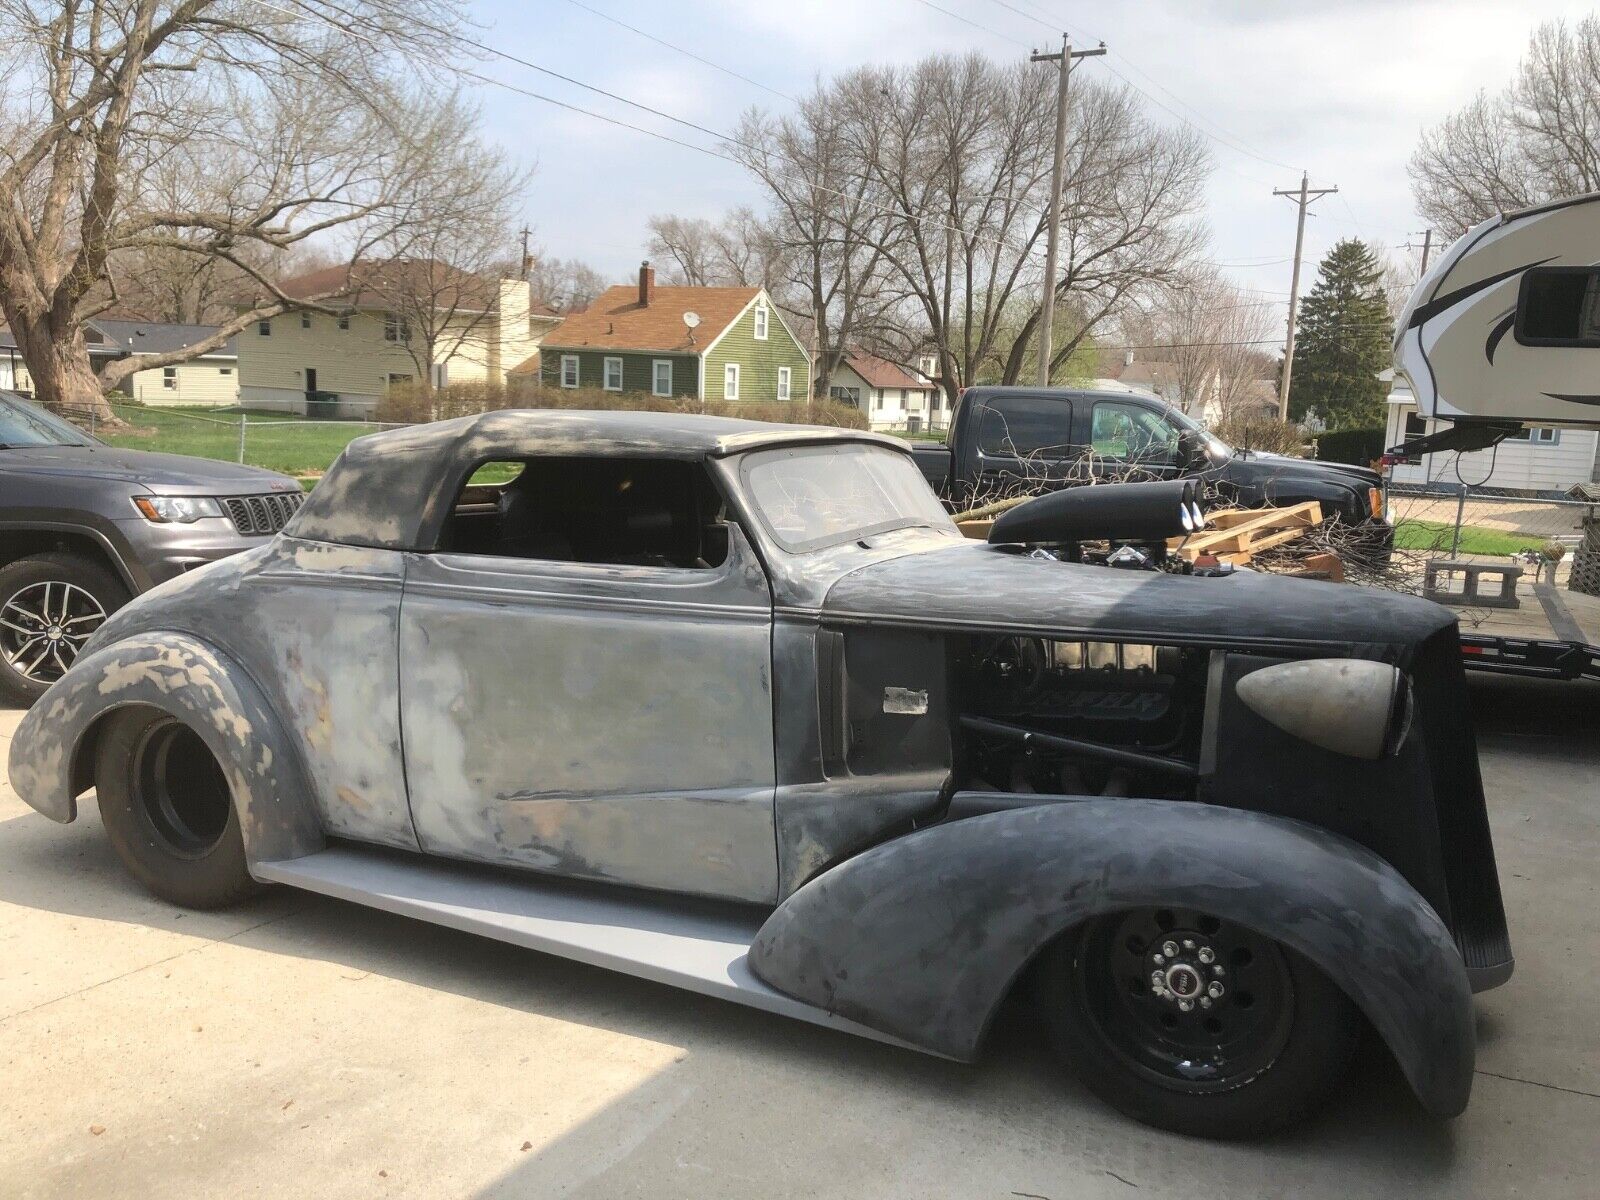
x: 24, y: 424
x: 810, y: 497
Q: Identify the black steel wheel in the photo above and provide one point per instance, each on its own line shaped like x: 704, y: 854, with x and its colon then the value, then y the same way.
x: 1196, y: 1024
x: 169, y: 811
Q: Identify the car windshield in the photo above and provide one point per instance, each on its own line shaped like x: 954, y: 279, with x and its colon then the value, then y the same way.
x: 1218, y: 449
x: 24, y: 424
x: 815, y: 496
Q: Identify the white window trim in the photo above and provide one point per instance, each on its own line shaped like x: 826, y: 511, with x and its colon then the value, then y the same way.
x: 730, y: 381
x: 784, y: 383
x: 763, y: 322
x: 577, y: 370
x: 655, y: 376
x: 605, y: 374
x: 169, y: 378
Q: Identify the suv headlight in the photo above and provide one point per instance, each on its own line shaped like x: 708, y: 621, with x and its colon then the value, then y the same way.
x: 182, y: 509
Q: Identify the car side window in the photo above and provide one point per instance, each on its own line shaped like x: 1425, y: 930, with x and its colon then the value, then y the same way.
x: 1026, y: 425
x: 1132, y: 433
x: 598, y: 510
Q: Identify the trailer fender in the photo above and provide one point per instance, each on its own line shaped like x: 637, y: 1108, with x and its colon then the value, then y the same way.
x: 51, y: 761
x: 923, y: 936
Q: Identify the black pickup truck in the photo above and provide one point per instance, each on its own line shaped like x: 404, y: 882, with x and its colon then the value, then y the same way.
x: 1006, y: 441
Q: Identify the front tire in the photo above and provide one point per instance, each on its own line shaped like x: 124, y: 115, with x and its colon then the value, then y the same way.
x: 1232, y: 1036
x: 169, y: 811
x: 49, y: 605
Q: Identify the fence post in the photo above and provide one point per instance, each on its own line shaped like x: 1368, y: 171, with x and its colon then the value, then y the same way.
x: 241, y: 439
x: 1461, y: 508
x: 91, y: 420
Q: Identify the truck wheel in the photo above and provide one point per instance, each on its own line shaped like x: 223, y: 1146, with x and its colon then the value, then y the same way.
x: 1196, y: 1025
x: 49, y: 605
x: 169, y: 811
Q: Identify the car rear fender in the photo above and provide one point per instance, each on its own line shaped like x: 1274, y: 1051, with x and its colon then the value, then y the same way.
x: 922, y: 937
x: 51, y: 761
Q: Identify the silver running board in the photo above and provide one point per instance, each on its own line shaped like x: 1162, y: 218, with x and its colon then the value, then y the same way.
x: 685, y: 943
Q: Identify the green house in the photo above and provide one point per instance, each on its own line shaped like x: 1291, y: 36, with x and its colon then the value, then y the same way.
x: 701, y: 343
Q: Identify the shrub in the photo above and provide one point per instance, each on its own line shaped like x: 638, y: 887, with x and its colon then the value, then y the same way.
x: 1357, y: 446
x: 1261, y: 433
x: 411, y: 403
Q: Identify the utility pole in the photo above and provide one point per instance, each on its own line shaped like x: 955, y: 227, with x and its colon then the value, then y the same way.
x: 527, y: 259
x: 1427, y: 245
x: 1047, y: 313
x: 1302, y: 196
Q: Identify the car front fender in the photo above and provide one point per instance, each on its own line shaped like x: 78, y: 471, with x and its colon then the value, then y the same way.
x: 923, y: 936
x: 51, y: 761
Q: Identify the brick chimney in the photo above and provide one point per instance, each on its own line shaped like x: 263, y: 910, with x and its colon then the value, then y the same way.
x: 647, y: 283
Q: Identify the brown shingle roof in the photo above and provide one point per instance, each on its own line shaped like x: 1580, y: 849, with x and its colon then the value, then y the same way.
x: 364, y: 282
x: 616, y: 320
x: 881, y: 373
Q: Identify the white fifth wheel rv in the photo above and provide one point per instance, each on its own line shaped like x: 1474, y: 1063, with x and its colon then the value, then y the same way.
x: 1504, y: 331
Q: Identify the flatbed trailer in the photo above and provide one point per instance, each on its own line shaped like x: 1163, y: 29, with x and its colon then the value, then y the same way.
x: 1555, y: 634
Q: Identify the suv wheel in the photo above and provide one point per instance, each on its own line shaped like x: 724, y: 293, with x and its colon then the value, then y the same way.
x: 49, y: 605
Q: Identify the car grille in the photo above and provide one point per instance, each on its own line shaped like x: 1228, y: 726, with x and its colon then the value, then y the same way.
x: 257, y: 516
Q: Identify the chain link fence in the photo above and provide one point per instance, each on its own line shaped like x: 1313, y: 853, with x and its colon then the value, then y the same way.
x: 1564, y: 535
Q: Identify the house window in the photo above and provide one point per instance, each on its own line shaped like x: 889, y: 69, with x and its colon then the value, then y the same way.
x: 264, y: 328
x: 440, y: 374
x: 395, y: 328
x: 613, y: 375
x: 1541, y: 436
x: 877, y: 400
x: 761, y: 322
x: 850, y: 395
x: 661, y: 377
x: 1559, y: 306
x: 224, y: 370
x: 344, y: 322
x: 569, y: 370
x: 783, y: 383
x: 730, y: 381
x: 305, y: 320
x: 169, y: 378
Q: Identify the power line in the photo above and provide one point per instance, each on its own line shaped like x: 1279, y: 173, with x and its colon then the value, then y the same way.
x: 715, y: 66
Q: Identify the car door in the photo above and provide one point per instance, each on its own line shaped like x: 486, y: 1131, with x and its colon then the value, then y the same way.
x: 598, y: 719
x: 1023, y: 443
x: 1131, y: 441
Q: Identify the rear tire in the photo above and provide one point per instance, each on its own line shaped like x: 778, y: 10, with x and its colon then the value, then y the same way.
x: 169, y: 811
x: 49, y: 605
x: 1271, y: 1042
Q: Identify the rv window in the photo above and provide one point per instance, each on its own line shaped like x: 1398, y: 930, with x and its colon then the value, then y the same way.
x: 1559, y: 306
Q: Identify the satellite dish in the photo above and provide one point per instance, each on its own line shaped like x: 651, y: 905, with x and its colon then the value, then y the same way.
x: 691, y: 319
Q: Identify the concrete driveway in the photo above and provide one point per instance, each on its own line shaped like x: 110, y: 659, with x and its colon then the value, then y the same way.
x: 306, y: 1048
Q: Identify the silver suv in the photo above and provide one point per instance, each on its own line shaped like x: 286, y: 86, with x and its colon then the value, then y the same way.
x: 85, y: 526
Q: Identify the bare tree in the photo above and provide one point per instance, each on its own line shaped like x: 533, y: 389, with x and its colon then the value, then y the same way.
x: 211, y: 129
x: 565, y: 283
x: 738, y: 251
x: 1536, y: 140
x: 1208, y: 334
x: 958, y: 151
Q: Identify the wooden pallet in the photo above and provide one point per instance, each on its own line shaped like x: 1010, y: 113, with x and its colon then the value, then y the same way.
x: 1238, y: 534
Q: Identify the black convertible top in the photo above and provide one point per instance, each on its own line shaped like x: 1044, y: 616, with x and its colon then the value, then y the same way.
x: 387, y: 489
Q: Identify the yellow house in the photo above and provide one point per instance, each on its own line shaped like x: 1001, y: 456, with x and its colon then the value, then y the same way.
x: 210, y: 379
x: 483, y: 329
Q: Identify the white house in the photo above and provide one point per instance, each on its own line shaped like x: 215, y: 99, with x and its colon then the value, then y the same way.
x: 889, y: 395
x: 1540, y: 459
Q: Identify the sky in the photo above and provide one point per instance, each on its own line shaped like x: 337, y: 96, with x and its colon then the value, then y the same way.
x: 1341, y: 89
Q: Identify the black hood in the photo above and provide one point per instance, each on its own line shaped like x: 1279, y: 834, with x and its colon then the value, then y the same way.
x: 977, y: 586
x: 170, y: 474
x: 1293, y: 470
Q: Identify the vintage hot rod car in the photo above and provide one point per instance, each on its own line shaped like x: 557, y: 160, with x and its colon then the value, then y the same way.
x: 734, y: 706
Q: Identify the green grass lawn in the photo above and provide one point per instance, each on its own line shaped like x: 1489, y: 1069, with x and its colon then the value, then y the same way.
x: 1475, y: 539
x: 272, y: 440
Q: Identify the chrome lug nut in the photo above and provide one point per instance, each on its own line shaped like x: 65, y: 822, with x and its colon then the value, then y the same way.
x: 1205, y: 1001
x: 1160, y: 959
x: 1170, y: 949
x: 1217, y: 970
x: 1156, y: 978
x: 1185, y: 1005
x: 1188, y: 943
x: 1215, y: 990
x: 1206, y: 954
